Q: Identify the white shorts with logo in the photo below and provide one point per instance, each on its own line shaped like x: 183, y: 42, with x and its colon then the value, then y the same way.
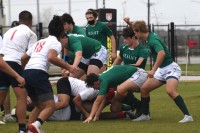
x: 101, y: 55
x: 171, y: 71
x: 139, y: 77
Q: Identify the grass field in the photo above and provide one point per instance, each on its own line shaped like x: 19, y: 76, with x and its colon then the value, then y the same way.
x: 165, y: 116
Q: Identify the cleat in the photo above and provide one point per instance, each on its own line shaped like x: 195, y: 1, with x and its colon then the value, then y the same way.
x: 32, y: 128
x: 186, y: 119
x: 142, y: 118
x: 9, y: 118
x: 1, y: 122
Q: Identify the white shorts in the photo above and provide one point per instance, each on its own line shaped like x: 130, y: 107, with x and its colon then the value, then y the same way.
x: 61, y: 115
x: 139, y: 77
x: 102, y: 55
x: 171, y: 71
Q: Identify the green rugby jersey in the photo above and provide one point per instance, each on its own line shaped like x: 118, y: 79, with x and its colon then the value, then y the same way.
x: 99, y: 32
x: 115, y: 76
x: 156, y: 44
x: 76, y: 30
x: 85, y: 44
x: 131, y: 56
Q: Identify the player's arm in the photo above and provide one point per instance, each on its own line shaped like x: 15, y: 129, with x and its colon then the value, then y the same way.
x: 102, y: 106
x: 117, y: 61
x: 128, y: 22
x: 64, y: 72
x: 79, y: 104
x: 78, y: 56
x: 159, y: 60
x: 52, y: 57
x: 139, y: 62
x: 7, y: 69
x: 95, y: 107
x: 63, y: 101
x: 24, y: 60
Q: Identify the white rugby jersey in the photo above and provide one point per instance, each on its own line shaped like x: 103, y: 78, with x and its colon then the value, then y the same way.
x: 16, y: 41
x: 39, y: 53
x: 79, y: 87
x: 61, y: 114
x: 1, y: 42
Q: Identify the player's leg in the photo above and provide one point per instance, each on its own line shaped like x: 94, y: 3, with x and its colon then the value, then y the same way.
x: 64, y: 92
x: 149, y: 85
x: 7, y: 110
x: 171, y: 88
x: 98, y: 62
x: 21, y: 96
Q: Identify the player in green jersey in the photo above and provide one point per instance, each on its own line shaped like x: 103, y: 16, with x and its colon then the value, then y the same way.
x: 70, y: 27
x: 89, y: 54
x: 131, y: 52
x: 126, y: 77
x: 100, y: 31
x: 164, y: 71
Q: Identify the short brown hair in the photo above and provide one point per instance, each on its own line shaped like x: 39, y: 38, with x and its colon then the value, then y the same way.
x: 140, y: 26
x: 93, y: 12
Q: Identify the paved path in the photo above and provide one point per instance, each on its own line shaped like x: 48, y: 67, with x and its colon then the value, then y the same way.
x: 190, y: 78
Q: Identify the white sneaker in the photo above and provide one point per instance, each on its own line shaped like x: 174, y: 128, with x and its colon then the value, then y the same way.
x: 1, y: 122
x: 142, y: 118
x: 32, y: 128
x: 9, y: 118
x: 187, y: 118
x: 21, y: 131
x: 13, y: 111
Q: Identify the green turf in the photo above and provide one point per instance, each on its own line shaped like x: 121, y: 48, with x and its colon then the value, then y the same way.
x: 165, y: 117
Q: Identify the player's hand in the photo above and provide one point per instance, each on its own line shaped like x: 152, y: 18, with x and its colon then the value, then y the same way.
x: 150, y: 74
x: 88, y: 120
x: 28, y: 99
x: 73, y: 69
x: 127, y: 20
x: 65, y: 73
x: 21, y: 81
x: 95, y: 118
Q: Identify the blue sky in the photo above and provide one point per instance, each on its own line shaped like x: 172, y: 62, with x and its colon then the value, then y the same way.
x: 162, y: 11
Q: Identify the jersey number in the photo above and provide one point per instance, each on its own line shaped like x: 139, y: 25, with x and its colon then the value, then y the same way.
x: 39, y: 46
x: 13, y: 35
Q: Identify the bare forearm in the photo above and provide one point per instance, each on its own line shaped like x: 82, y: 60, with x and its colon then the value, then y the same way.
x: 159, y: 60
x: 117, y: 61
x: 56, y: 61
x: 95, y: 107
x: 6, y: 68
x: 103, y: 103
x: 80, y: 106
x: 77, y: 60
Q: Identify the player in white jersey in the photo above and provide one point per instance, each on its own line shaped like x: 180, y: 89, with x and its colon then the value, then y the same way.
x: 1, y: 42
x: 69, y: 89
x: 38, y: 86
x: 15, y: 43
